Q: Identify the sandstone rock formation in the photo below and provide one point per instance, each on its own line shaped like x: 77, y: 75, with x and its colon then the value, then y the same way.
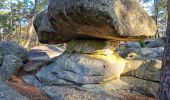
x: 93, y: 19
x: 90, y: 62
x: 90, y: 66
x: 141, y: 73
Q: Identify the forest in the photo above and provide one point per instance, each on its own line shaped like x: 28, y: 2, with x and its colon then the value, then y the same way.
x: 84, y: 49
x: 16, y: 20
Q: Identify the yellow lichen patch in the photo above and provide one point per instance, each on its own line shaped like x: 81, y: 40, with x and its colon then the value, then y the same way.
x: 116, y: 63
x: 104, y: 52
x: 109, y: 58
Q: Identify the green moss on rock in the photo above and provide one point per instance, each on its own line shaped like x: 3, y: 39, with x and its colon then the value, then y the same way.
x: 85, y: 46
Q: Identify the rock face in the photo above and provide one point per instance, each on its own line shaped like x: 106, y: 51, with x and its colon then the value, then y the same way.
x: 44, y: 28
x: 93, y: 19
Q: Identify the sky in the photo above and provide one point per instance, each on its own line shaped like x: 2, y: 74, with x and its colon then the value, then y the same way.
x: 148, y: 6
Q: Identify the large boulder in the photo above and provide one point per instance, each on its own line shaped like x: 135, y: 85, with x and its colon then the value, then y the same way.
x: 84, y: 62
x: 93, y: 19
x: 83, y: 69
x: 12, y: 57
x: 12, y: 48
x: 11, y: 66
x: 47, y: 33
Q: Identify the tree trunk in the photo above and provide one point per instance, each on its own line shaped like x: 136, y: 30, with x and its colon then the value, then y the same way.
x: 31, y: 26
x: 1, y: 35
x: 30, y: 29
x: 156, y: 15
x: 156, y: 11
x: 164, y: 90
x: 19, y: 29
x: 11, y: 13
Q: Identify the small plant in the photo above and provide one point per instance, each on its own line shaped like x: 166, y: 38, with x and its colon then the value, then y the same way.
x: 142, y: 43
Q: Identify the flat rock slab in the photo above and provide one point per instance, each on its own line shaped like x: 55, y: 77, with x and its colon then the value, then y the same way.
x: 142, y: 53
x: 145, y: 87
x: 45, y: 52
x: 69, y: 93
x: 154, y: 43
